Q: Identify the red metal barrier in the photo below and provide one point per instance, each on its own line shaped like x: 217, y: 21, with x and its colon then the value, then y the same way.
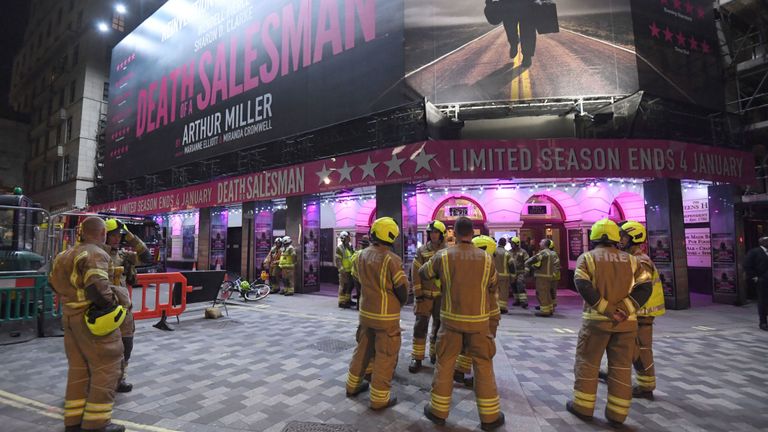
x: 161, y: 283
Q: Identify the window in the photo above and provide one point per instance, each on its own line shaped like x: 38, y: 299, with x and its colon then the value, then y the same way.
x: 69, y: 129
x: 48, y: 30
x: 47, y: 139
x: 61, y: 99
x: 40, y: 146
x: 44, y: 177
x: 79, y: 19
x: 66, y: 174
x: 105, y: 93
x: 59, y: 133
x: 71, y: 4
x: 75, y: 54
x: 55, y: 173
x: 72, y: 89
x: 118, y: 22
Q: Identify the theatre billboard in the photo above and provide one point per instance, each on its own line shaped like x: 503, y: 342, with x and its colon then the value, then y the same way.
x: 203, y: 78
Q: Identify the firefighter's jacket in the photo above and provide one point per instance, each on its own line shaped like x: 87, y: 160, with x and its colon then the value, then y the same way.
x: 81, y: 277
x: 384, y: 287
x: 429, y: 288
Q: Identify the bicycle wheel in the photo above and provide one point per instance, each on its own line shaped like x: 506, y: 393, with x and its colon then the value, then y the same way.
x: 257, y: 292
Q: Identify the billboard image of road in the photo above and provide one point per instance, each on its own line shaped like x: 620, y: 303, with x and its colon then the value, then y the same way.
x: 453, y: 54
x: 208, y: 77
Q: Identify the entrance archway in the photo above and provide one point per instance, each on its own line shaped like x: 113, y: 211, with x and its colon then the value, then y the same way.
x: 543, y: 217
x: 454, y: 207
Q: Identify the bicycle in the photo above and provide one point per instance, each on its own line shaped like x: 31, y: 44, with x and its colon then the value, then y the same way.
x: 248, y: 291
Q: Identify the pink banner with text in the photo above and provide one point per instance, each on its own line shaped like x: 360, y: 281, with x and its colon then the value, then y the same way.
x: 435, y: 160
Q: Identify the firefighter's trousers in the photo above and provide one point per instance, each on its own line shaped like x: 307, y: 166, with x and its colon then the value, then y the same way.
x: 519, y: 287
x: 481, y: 347
x: 383, y: 346
x: 274, y: 278
x: 424, y: 309
x: 620, y: 346
x: 464, y: 361
x: 553, y: 293
x: 544, y: 295
x: 287, y: 274
x: 127, y: 329
x: 94, y: 370
x: 345, y: 288
x: 504, y: 282
x: 645, y: 372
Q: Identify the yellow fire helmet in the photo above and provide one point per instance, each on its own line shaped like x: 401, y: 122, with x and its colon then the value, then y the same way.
x: 635, y: 230
x: 385, y: 230
x: 605, y: 230
x: 438, y: 226
x: 485, y: 243
x: 102, y: 322
x: 113, y: 224
x: 515, y: 240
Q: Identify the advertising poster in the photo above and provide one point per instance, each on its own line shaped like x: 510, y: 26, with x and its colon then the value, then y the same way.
x: 262, y: 234
x: 660, y: 248
x: 722, y: 248
x: 411, y: 240
x: 575, y: 244
x: 188, y: 242
x: 218, y: 246
x: 696, y: 210
x: 698, y: 247
x: 667, y: 277
x: 538, y: 50
x: 202, y: 78
x: 310, y: 247
x: 679, y: 38
x: 724, y: 278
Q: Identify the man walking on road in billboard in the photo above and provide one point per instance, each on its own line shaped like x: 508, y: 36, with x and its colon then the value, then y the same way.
x: 520, y: 26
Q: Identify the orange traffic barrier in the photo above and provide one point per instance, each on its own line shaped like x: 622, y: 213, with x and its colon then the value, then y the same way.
x: 162, y: 307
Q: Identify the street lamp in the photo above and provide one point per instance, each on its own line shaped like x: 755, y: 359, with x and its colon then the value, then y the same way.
x: 102, y: 26
x: 120, y: 8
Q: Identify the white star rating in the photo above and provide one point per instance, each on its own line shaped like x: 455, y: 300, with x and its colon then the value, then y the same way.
x: 394, y: 165
x: 422, y: 160
x: 369, y: 169
x: 345, y: 172
x: 323, y: 175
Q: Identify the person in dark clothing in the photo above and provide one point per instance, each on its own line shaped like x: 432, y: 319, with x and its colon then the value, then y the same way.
x: 521, y: 28
x: 756, y: 267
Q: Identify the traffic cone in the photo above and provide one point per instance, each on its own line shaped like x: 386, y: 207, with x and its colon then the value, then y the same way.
x: 194, y: 266
x: 218, y: 264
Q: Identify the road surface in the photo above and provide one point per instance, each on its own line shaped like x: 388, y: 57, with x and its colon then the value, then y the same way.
x: 565, y: 64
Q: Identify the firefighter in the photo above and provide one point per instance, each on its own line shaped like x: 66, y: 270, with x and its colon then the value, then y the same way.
x: 464, y: 361
x: 633, y: 235
x: 546, y: 265
x: 613, y: 285
x: 468, y: 283
x: 273, y: 263
x: 287, y: 264
x: 519, y: 256
x: 124, y: 263
x: 427, y: 298
x: 91, y: 319
x: 505, y: 266
x: 384, y: 291
x: 344, y: 252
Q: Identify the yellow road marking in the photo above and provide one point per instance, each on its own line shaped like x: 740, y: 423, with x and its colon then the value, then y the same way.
x: 526, y: 78
x: 50, y: 411
x: 514, y: 91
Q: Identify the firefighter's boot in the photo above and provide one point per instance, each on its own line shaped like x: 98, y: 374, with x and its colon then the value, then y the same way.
x: 415, y: 366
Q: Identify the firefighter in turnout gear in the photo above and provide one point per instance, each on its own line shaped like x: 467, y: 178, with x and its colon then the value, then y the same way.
x: 427, y: 297
x: 81, y: 278
x: 364, y: 243
x: 384, y: 291
x: 633, y: 235
x: 272, y: 262
x: 469, y: 294
x: 546, y: 265
x: 464, y: 362
x: 519, y: 256
x: 613, y: 284
x: 344, y: 252
x: 124, y: 264
x: 287, y: 264
x: 505, y: 266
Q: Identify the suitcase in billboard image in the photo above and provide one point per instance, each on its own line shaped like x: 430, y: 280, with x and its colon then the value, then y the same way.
x: 494, y: 12
x: 545, y: 12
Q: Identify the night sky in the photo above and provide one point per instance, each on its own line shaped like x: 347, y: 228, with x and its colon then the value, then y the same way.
x: 13, y: 20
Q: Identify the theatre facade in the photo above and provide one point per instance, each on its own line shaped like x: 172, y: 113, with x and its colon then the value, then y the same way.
x: 291, y: 117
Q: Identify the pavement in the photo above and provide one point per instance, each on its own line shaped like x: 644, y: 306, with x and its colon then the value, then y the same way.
x: 280, y: 365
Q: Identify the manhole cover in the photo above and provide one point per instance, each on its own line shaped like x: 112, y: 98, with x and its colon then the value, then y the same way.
x: 229, y: 323
x: 295, y: 426
x: 332, y: 346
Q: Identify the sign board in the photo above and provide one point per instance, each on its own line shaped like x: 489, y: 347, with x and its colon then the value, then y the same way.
x: 698, y: 244
x: 575, y: 244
